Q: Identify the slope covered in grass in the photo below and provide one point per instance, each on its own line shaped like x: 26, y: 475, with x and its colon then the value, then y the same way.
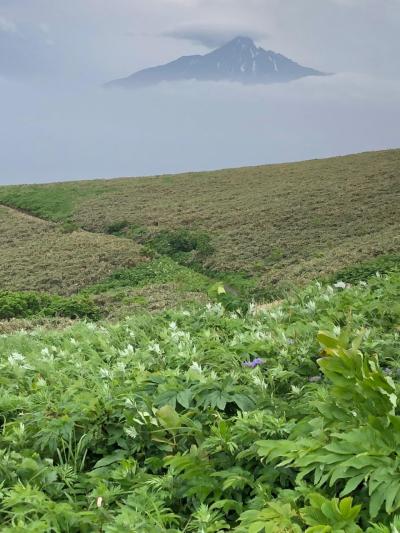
x: 208, y: 420
x: 39, y: 255
x: 280, y: 223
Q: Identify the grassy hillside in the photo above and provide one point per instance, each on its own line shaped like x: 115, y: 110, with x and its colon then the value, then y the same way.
x: 223, y: 415
x: 278, y: 223
x: 209, y: 421
x: 39, y: 255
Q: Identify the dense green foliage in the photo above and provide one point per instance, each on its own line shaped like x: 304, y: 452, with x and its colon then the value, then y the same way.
x: 283, y: 418
x: 183, y: 245
x: 157, y: 271
x: 361, y: 271
x: 33, y: 304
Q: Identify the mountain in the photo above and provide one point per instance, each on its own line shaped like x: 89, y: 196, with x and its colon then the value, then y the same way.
x: 240, y: 60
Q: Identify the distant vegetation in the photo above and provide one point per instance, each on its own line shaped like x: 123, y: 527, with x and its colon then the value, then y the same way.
x: 34, y: 304
x: 281, y: 225
x: 362, y: 271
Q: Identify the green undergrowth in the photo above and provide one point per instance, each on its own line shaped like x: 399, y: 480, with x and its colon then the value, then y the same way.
x: 383, y: 264
x: 281, y: 419
x: 163, y: 270
x: 157, y: 271
x: 36, y: 304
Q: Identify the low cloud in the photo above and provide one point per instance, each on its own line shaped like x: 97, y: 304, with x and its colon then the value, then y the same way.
x: 71, y: 133
x: 212, y: 36
x: 7, y: 26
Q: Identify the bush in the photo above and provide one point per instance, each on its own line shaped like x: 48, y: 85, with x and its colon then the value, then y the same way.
x: 185, y: 246
x: 383, y: 264
x: 117, y: 228
x: 29, y: 304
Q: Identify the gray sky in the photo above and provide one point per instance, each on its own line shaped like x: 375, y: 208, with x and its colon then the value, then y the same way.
x: 56, y: 123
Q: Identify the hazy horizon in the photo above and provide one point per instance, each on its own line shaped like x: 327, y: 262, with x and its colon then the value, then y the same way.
x: 58, y: 123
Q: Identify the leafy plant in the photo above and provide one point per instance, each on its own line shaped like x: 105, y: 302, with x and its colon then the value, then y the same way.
x: 29, y: 304
x: 278, y: 418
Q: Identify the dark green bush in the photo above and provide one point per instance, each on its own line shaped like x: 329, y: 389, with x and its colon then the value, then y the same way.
x: 29, y: 304
x: 184, y: 246
x: 117, y: 228
x: 383, y: 264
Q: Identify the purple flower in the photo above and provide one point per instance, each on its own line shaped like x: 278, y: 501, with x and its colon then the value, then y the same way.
x: 256, y: 362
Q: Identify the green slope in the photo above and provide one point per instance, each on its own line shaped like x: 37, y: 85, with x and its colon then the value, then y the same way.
x: 279, y: 224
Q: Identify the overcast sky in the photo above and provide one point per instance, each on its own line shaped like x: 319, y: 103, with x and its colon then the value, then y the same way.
x: 58, y: 123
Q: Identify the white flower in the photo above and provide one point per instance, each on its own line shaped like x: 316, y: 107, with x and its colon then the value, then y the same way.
x: 156, y: 348
x: 340, y: 285
x: 105, y: 373
x: 173, y: 325
x: 16, y: 358
x: 196, y: 367
x: 311, y: 306
x: 129, y: 350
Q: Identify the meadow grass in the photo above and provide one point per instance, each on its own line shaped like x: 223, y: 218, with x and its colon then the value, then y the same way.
x: 281, y: 224
x: 39, y: 255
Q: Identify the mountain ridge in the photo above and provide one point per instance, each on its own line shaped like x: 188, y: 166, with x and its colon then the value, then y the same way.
x: 239, y: 60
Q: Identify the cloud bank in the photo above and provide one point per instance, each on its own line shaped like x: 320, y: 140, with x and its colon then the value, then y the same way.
x: 75, y: 134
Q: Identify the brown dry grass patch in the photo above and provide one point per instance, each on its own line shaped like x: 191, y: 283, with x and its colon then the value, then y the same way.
x: 37, y: 255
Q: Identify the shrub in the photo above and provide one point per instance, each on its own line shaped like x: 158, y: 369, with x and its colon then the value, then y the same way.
x: 117, y: 228
x: 185, y: 246
x: 29, y: 304
x: 383, y: 264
